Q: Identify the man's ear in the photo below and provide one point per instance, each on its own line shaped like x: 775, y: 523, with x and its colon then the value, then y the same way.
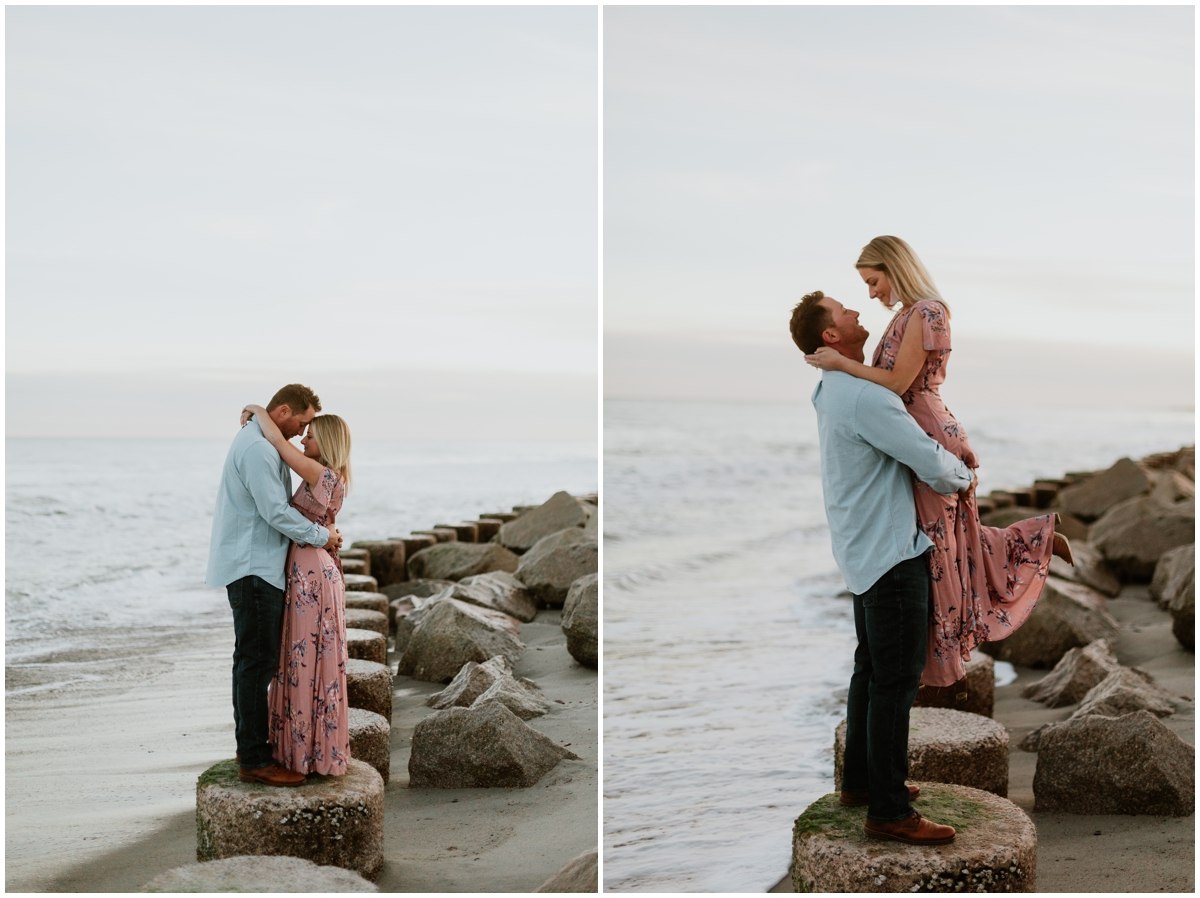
x: 830, y: 336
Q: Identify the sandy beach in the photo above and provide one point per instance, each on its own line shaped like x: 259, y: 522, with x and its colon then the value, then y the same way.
x: 1118, y: 853
x: 101, y: 773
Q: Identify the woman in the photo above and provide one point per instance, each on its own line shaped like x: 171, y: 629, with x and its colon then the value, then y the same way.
x: 309, y: 724
x: 986, y: 580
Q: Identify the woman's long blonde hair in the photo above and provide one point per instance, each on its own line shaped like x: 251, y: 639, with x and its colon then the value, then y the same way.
x: 909, y: 279
x: 333, y: 436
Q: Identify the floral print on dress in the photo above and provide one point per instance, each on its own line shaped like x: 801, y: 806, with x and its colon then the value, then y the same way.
x: 309, y: 716
x: 986, y: 580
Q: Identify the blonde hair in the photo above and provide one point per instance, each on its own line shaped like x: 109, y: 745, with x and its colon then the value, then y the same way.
x: 333, y: 436
x: 909, y: 279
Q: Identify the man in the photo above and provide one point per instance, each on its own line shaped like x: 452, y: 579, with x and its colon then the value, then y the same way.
x: 252, y: 525
x: 869, y: 443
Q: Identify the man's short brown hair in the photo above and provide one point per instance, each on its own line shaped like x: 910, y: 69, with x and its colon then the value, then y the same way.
x: 296, y: 397
x: 809, y: 322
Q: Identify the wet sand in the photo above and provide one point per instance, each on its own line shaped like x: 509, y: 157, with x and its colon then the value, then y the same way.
x: 100, y: 775
x: 1119, y: 853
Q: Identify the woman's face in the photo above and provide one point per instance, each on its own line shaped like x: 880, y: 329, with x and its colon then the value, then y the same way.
x: 877, y: 282
x: 311, y: 449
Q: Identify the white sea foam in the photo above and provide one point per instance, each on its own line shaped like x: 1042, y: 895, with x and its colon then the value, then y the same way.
x: 727, y: 649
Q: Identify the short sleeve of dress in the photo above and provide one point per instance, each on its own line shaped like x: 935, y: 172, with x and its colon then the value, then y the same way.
x: 935, y: 325
x: 328, y: 487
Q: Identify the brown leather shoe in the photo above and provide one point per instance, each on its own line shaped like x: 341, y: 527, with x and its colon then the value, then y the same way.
x: 862, y: 799
x: 914, y: 829
x: 272, y: 775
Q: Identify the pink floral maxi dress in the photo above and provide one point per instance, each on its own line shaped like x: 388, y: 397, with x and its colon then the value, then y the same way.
x: 986, y: 580
x: 310, y: 727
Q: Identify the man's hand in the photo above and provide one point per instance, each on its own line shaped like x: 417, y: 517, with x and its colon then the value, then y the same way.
x: 969, y: 492
x: 335, y: 539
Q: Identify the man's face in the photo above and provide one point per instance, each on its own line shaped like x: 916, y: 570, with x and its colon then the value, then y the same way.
x: 846, y: 328
x: 293, y: 424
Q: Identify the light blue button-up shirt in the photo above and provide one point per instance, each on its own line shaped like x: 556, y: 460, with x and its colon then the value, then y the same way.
x: 253, y: 521
x: 870, y: 447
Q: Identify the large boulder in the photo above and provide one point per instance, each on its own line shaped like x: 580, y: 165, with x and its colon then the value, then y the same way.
x: 420, y: 587
x: 483, y: 746
x: 450, y: 633
x: 491, y: 681
x: 1183, y: 612
x: 1096, y: 495
x: 499, y: 591
x: 1124, y: 691
x: 579, y: 875
x: 555, y: 562
x: 1090, y: 569
x: 1068, y: 615
x: 1133, y: 535
x: 406, y: 614
x: 1131, y: 764
x: 1076, y: 672
x: 387, y: 557
x: 994, y: 849
x: 1175, y: 571
x: 455, y: 560
x: 581, y: 620
x: 330, y: 820
x: 260, y: 874
x: 560, y: 512
x: 946, y: 746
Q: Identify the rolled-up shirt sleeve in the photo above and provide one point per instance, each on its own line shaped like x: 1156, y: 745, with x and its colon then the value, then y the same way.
x: 270, y: 498
x: 881, y: 419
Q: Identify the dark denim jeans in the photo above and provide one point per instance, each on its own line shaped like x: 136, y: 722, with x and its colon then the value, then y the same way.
x: 257, y: 624
x: 892, y: 622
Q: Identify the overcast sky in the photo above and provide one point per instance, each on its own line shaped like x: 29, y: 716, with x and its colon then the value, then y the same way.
x: 1039, y: 159
x: 301, y: 190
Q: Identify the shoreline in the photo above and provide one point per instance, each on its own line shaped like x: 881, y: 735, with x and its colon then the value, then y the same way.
x: 100, y: 775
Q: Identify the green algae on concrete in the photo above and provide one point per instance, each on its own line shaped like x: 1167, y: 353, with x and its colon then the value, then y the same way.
x: 827, y: 817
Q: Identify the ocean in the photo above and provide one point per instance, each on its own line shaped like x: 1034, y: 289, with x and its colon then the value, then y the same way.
x: 105, y: 538
x: 727, y: 647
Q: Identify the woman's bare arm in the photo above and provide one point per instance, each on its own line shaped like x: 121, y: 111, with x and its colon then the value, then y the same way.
x: 909, y: 361
x: 308, y: 468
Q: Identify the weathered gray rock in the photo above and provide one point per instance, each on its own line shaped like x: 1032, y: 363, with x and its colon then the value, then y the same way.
x: 1115, y: 765
x: 1133, y: 535
x: 357, y: 555
x: 455, y: 560
x: 419, y: 587
x: 365, y: 619
x: 994, y: 849
x: 441, y: 534
x: 1096, y: 495
x: 1171, y: 486
x: 499, y: 591
x: 369, y: 601
x: 406, y: 614
x: 579, y: 875
x: 330, y: 820
x: 259, y: 874
x: 450, y: 633
x: 415, y: 542
x: 522, y: 697
x: 356, y: 566
x: 491, y: 681
x: 947, y: 746
x: 560, y: 512
x: 388, y: 558
x: 1075, y: 674
x: 1090, y: 569
x: 479, y: 747
x: 370, y: 740
x: 979, y: 687
x: 366, y: 645
x: 1067, y: 615
x: 555, y: 562
x: 581, y: 620
x: 369, y: 686
x: 1006, y: 517
x: 1175, y: 571
x: 360, y: 583
x: 1183, y: 612
x: 1124, y: 691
